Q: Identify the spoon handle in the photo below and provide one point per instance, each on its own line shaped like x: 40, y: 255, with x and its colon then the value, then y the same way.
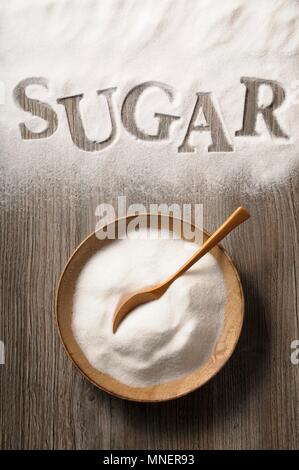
x: 236, y: 218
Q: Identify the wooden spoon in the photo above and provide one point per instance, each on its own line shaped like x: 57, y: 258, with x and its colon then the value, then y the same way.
x: 147, y: 294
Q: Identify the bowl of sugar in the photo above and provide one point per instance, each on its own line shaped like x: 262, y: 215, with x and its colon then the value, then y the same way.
x: 163, y: 349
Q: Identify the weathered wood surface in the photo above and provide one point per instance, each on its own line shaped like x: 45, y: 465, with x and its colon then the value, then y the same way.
x: 46, y: 404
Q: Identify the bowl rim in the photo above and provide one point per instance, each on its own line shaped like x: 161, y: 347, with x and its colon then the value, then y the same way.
x: 134, y: 396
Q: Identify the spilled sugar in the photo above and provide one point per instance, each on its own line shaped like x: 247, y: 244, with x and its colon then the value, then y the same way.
x: 158, y: 341
x: 199, y: 45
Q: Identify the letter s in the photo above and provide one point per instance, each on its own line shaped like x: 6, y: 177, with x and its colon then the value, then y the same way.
x: 35, y: 107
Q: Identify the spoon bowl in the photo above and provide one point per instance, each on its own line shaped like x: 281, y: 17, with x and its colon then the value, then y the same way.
x: 132, y: 300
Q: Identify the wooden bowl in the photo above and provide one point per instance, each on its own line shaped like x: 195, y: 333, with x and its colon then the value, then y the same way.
x: 225, y: 345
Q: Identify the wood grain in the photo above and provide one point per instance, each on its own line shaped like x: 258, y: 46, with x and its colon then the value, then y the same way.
x: 46, y: 404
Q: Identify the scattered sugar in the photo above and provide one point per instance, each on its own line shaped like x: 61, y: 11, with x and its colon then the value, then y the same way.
x: 192, y: 46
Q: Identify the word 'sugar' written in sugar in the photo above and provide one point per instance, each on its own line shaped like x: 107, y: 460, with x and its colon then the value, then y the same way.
x: 205, y: 104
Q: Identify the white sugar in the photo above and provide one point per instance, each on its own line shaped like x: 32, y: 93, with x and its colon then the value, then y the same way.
x: 158, y: 341
x: 199, y: 45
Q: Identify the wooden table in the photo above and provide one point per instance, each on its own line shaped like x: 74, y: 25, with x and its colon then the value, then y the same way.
x: 46, y: 404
